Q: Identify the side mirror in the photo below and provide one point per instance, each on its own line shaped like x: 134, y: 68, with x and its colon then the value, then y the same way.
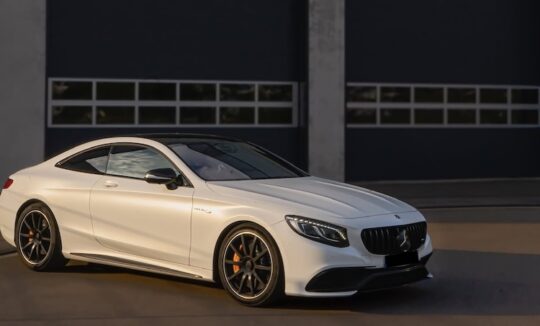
x: 166, y: 177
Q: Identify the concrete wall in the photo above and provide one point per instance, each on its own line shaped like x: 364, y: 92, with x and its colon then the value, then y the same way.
x: 22, y: 84
x: 326, y: 85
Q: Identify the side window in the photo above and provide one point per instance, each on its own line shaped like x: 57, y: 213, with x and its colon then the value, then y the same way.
x: 92, y: 161
x: 135, y: 161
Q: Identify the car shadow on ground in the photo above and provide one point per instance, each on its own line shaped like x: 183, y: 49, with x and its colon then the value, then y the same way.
x: 465, y: 283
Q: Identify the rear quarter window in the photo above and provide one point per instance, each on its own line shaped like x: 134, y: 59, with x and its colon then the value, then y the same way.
x: 92, y: 161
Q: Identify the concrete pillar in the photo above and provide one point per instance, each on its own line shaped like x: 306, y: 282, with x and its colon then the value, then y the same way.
x: 22, y: 84
x: 326, y: 88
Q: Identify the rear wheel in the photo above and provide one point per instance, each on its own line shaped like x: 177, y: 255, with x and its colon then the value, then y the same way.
x: 38, y: 240
x: 250, y: 266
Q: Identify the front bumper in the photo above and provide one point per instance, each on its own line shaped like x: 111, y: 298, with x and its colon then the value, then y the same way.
x: 348, y: 279
x: 304, y: 259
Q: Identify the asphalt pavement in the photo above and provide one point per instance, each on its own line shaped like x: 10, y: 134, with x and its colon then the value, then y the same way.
x: 486, y: 266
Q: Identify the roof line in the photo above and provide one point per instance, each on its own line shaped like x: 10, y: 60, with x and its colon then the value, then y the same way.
x: 180, y: 135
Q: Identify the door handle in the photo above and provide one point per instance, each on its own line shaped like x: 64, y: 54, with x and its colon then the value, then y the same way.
x: 111, y: 184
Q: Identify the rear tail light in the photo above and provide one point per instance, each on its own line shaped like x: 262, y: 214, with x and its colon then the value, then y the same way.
x: 7, y: 184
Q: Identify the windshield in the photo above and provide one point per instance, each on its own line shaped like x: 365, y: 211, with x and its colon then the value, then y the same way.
x: 222, y: 160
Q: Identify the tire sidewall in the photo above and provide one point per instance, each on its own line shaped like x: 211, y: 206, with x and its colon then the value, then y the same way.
x: 275, y: 288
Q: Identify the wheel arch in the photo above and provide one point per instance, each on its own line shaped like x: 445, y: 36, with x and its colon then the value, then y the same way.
x: 28, y: 203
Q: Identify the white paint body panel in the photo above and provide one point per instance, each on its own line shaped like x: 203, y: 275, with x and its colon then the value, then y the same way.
x: 179, y: 229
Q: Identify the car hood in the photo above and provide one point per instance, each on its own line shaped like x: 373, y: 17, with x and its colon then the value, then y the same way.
x: 333, y: 198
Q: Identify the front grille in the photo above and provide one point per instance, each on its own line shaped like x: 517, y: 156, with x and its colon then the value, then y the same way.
x: 390, y: 240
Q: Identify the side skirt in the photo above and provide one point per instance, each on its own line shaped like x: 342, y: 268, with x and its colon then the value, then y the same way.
x: 130, y: 264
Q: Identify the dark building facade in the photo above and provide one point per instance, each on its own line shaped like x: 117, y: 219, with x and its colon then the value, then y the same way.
x: 434, y: 89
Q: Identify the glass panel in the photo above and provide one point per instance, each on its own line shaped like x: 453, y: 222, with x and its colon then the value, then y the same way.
x: 461, y: 95
x: 92, y: 161
x: 464, y: 116
x: 395, y: 116
x: 529, y: 117
x: 396, y: 94
x: 198, y: 115
x: 72, y: 115
x: 115, y: 91
x: 237, y: 92
x: 218, y: 159
x: 115, y: 115
x: 157, y: 91
x: 429, y: 116
x: 525, y: 96
x: 136, y: 161
x: 268, y: 115
x: 493, y: 95
x: 157, y: 115
x: 362, y: 116
x: 198, y: 92
x: 361, y: 94
x: 493, y: 116
x: 428, y: 95
x: 71, y: 90
x: 240, y: 115
x: 275, y: 93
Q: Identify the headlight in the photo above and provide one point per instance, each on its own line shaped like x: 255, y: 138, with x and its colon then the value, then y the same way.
x: 318, y: 231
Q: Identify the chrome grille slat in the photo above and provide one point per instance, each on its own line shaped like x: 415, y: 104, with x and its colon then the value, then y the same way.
x: 383, y: 240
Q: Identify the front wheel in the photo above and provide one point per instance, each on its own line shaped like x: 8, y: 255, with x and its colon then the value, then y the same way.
x: 250, y: 266
x: 38, y: 240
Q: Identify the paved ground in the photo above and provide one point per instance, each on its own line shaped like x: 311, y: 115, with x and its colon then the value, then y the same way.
x: 486, y: 267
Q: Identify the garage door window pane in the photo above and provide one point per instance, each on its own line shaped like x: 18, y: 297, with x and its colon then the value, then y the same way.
x: 268, y: 115
x: 237, y: 92
x: 525, y: 96
x: 362, y: 116
x: 428, y: 95
x: 395, y: 116
x: 396, y: 94
x: 115, y: 91
x: 198, y: 92
x: 529, y: 117
x: 275, y: 93
x: 493, y: 116
x: 429, y: 116
x: 157, y: 91
x: 198, y: 115
x: 465, y: 116
x: 72, y: 115
x: 237, y: 115
x: 461, y: 95
x: 157, y: 115
x: 493, y: 95
x: 115, y: 115
x: 72, y: 90
x: 361, y: 94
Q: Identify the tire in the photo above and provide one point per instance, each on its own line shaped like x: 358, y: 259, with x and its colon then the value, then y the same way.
x: 38, y: 239
x: 250, y: 266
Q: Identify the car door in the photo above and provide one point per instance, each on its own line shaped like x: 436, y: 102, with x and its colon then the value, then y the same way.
x: 132, y: 216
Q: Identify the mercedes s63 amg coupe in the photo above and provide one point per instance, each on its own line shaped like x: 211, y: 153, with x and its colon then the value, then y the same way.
x: 215, y: 209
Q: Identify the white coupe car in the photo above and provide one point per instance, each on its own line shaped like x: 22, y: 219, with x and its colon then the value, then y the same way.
x: 215, y: 209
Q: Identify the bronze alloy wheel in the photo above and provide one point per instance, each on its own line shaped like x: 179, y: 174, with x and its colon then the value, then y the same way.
x: 250, y: 266
x: 35, y: 237
x: 38, y: 239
